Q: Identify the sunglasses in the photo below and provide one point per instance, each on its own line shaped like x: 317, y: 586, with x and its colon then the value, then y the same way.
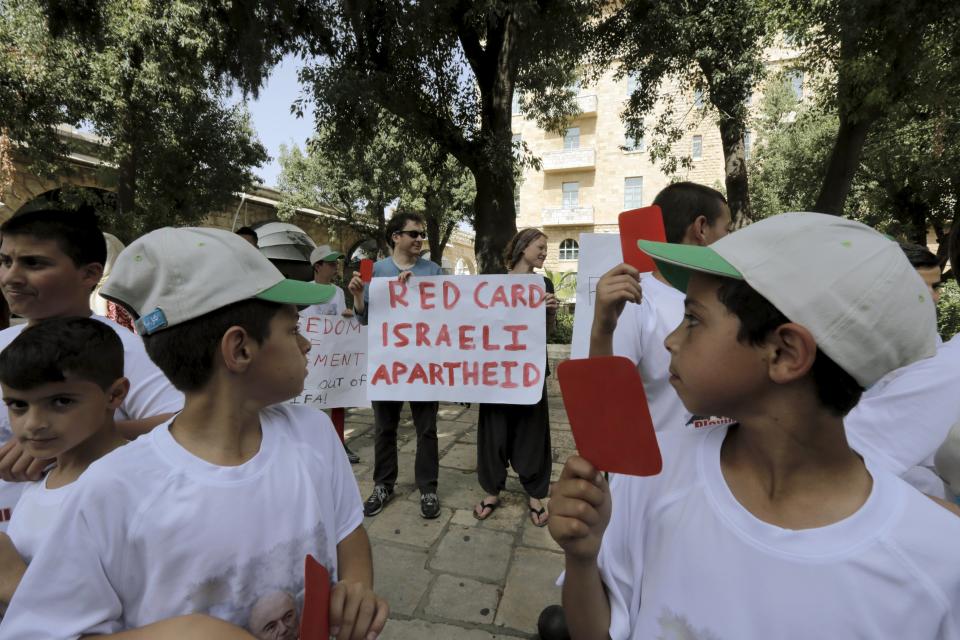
x: 414, y: 234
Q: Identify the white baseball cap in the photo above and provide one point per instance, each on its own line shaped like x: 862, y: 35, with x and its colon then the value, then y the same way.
x: 324, y: 253
x: 850, y: 286
x: 172, y: 275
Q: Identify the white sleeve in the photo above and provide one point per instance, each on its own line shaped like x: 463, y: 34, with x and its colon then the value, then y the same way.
x: 620, y: 558
x: 902, y: 423
x: 151, y: 394
x: 341, y: 300
x: 346, y: 493
x: 627, y: 336
x: 66, y: 592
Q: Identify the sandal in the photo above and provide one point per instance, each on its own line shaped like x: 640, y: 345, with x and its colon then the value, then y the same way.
x: 536, y: 514
x: 486, y: 509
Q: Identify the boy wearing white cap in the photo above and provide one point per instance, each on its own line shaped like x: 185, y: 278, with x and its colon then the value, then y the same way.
x: 772, y: 527
x: 217, y: 508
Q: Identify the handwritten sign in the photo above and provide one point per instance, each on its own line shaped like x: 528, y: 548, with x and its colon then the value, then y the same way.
x: 336, y: 364
x: 599, y: 252
x: 458, y: 339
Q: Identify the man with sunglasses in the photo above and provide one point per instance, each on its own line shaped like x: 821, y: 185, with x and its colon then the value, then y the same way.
x: 405, y: 235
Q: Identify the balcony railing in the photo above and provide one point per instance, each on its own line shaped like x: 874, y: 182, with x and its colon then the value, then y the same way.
x: 569, y: 159
x: 556, y: 216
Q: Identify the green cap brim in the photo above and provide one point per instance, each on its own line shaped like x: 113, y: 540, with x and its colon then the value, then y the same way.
x: 331, y: 258
x: 298, y: 292
x: 676, y: 261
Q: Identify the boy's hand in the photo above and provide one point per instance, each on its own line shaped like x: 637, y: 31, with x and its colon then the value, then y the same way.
x: 615, y: 289
x: 404, y: 276
x: 579, y: 509
x: 356, y: 612
x: 17, y: 466
x: 355, y: 285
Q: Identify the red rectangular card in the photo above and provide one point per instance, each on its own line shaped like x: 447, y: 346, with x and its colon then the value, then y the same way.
x: 366, y: 270
x: 645, y: 223
x: 315, y: 620
x: 608, y: 414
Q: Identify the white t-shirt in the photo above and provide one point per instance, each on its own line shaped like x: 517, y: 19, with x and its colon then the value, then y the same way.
x: 901, y: 420
x: 682, y: 559
x: 154, y: 532
x: 35, y: 514
x: 641, y: 330
x: 150, y: 394
x: 333, y: 307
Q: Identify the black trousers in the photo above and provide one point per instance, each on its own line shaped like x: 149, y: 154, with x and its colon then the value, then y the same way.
x: 386, y: 417
x: 517, y: 434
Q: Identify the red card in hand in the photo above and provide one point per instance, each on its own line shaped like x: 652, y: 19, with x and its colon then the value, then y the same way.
x: 366, y: 270
x: 645, y: 223
x: 608, y: 414
x: 315, y: 620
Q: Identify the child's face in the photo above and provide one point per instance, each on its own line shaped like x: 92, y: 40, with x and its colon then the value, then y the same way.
x: 280, y: 366
x: 53, y: 418
x: 712, y: 371
x: 536, y: 252
x: 40, y: 281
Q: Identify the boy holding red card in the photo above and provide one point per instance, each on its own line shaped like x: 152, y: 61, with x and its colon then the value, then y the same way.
x: 773, y: 526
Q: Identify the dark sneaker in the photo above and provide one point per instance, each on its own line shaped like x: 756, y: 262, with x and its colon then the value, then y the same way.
x: 351, y: 456
x: 429, y: 506
x: 377, y: 501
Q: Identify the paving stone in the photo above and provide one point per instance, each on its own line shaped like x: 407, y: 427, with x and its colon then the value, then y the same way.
x: 460, y: 456
x: 562, y: 440
x: 464, y: 518
x: 457, y: 489
x: 462, y: 600
x: 473, y: 552
x: 538, y: 537
x: 529, y: 588
x: 421, y: 629
x: 468, y: 437
x: 561, y: 455
x: 400, y: 576
x: 400, y: 521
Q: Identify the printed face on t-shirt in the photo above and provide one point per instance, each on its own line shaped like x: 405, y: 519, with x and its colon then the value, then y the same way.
x: 706, y: 340
x: 56, y: 417
x: 40, y: 281
x: 278, y: 370
x: 275, y: 616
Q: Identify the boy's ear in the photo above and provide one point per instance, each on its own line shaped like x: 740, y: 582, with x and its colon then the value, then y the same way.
x: 118, y: 392
x: 794, y: 351
x: 91, y: 273
x: 236, y: 349
x: 696, y: 232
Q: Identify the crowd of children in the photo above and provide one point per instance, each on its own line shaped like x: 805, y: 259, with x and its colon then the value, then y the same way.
x: 161, y: 486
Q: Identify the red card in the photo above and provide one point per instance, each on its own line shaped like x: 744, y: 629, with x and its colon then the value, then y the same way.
x: 608, y: 414
x: 366, y: 270
x: 645, y: 223
x: 315, y: 620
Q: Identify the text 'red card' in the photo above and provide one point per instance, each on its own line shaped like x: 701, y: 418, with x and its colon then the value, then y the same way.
x: 608, y: 414
x: 366, y: 270
x: 645, y: 223
x: 315, y: 621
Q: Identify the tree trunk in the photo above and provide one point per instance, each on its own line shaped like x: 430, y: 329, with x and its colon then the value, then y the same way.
x: 435, y: 240
x: 496, y: 221
x: 842, y: 166
x: 735, y: 168
x: 127, y: 190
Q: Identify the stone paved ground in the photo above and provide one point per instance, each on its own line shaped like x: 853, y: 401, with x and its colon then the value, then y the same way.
x: 456, y: 577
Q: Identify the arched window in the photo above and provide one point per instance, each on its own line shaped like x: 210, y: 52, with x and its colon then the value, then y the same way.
x: 461, y: 269
x: 569, y: 249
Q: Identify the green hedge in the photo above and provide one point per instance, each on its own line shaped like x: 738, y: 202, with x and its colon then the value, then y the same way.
x: 948, y: 310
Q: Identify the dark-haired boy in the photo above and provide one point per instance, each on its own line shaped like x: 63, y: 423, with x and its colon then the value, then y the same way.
x: 62, y: 381
x: 405, y: 235
x: 772, y: 527
x: 216, y: 509
x: 50, y: 261
x: 693, y: 214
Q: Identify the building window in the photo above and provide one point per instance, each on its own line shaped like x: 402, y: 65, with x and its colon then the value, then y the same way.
x: 697, y: 148
x: 747, y: 143
x: 631, y: 144
x: 632, y: 193
x: 515, y: 105
x: 698, y: 98
x: 571, y: 195
x: 795, y: 79
x: 569, y: 249
x: 571, y: 139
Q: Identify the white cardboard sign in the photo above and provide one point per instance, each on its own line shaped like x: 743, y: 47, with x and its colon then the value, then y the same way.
x: 599, y: 252
x: 457, y: 339
x: 336, y: 363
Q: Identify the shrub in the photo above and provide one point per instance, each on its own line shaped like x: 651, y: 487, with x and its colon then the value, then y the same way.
x: 563, y: 330
x: 948, y: 310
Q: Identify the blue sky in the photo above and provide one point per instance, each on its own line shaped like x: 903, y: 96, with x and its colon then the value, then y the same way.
x: 271, y: 116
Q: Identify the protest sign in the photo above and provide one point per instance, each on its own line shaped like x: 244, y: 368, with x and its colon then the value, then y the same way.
x: 599, y: 252
x: 457, y: 339
x: 336, y: 363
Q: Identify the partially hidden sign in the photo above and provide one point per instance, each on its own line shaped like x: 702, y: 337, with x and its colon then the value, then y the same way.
x: 645, y: 223
x: 315, y: 621
x: 457, y: 339
x: 336, y: 363
x: 608, y: 414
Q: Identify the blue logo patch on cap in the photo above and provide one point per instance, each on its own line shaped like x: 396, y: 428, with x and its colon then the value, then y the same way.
x: 151, y: 323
